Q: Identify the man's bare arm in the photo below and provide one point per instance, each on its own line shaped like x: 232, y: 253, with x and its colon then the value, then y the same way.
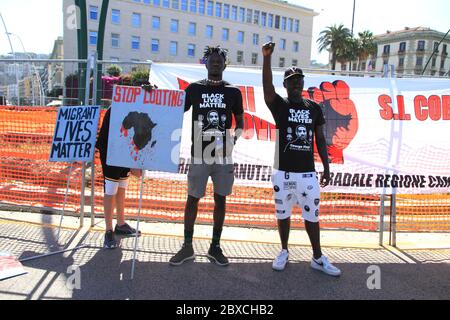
x: 269, y: 89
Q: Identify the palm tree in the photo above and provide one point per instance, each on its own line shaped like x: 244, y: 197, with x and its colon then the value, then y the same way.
x: 334, y: 39
x: 348, y: 52
x: 366, y: 46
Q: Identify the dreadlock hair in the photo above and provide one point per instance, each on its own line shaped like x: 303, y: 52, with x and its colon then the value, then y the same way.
x: 209, y: 50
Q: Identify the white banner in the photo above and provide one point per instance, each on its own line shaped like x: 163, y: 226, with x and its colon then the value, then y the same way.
x: 383, y: 135
x: 144, y: 131
x: 75, y: 134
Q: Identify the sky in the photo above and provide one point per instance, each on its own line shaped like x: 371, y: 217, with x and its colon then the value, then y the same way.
x: 39, y: 22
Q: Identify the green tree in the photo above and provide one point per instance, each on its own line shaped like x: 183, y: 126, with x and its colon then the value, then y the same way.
x: 114, y: 71
x: 334, y: 39
x: 366, y: 46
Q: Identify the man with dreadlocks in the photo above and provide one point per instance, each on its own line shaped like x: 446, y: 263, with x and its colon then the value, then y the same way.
x: 214, y: 102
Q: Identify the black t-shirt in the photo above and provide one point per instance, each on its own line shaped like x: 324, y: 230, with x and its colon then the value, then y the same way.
x: 102, y: 139
x: 212, y: 110
x: 296, y: 125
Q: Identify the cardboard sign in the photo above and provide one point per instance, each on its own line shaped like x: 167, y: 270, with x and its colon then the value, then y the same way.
x: 145, y: 128
x: 75, y: 134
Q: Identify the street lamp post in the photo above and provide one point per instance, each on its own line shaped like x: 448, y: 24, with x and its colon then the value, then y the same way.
x: 41, y: 88
x: 14, y: 55
x: 353, y: 18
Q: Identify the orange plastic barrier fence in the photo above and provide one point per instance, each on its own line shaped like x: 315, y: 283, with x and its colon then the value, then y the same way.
x: 27, y: 178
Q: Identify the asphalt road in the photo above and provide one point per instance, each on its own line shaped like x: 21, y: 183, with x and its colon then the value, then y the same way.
x: 105, y: 274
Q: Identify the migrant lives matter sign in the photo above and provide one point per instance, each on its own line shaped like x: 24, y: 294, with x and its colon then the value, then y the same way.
x: 75, y: 134
x: 145, y: 128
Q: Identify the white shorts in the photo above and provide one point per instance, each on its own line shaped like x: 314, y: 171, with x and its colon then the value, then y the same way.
x: 296, y: 188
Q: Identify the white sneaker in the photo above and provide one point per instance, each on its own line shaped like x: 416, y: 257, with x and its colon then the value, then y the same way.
x: 280, y: 261
x: 325, y: 266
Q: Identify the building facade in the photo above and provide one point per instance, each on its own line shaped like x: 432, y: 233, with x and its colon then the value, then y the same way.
x: 408, y: 51
x: 54, y: 74
x: 178, y: 30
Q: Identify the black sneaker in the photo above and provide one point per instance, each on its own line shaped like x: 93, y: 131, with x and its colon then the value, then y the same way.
x: 125, y: 230
x: 215, y: 255
x: 110, y: 242
x: 186, y: 253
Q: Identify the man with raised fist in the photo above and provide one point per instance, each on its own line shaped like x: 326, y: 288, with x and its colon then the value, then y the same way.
x: 298, y: 120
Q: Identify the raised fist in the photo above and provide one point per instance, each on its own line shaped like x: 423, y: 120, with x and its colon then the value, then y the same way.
x: 340, y: 116
x: 267, y: 49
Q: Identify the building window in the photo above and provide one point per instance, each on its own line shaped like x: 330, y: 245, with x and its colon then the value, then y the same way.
x: 401, y: 62
x: 249, y: 15
x: 297, y: 26
x: 155, y: 45
x: 263, y: 19
x: 136, y: 20
x: 282, y: 63
x: 436, y: 47
x: 166, y: 4
x: 218, y: 9
x: 209, y: 31
x: 225, y: 34
x: 115, y: 40
x: 256, y: 17
x: 135, y: 42
x: 433, y: 62
x: 254, y: 58
x: 402, y: 47
x: 210, y: 9
x: 174, y: 25
x: 270, y: 20
x: 93, y: 38
x: 269, y: 38
x: 283, y: 44
x: 290, y: 25
x: 241, y: 14
x: 240, y: 36
x: 240, y: 57
x: 363, y: 66
x: 283, y: 23
x: 444, y: 49
x: 156, y: 23
x: 277, y: 22
x: 234, y: 10
x: 192, y: 30
x: 115, y: 16
x: 386, y: 49
x: 294, y: 62
x: 191, y: 50
x: 419, y: 61
x: 421, y: 45
x: 193, y: 6
x: 295, y: 46
x: 255, y: 39
x: 93, y: 12
x: 442, y: 63
x: 175, y: 4
x: 184, y: 5
x: 156, y: 3
x: 201, y: 6
x: 173, y: 48
x: 226, y: 11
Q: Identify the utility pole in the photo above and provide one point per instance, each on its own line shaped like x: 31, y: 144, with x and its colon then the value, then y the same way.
x: 14, y: 55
